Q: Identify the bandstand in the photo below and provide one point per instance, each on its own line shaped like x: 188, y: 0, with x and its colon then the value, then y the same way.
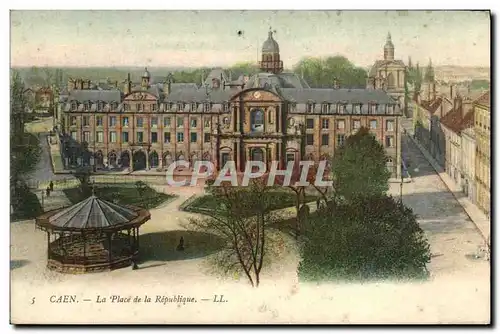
x: 91, y: 236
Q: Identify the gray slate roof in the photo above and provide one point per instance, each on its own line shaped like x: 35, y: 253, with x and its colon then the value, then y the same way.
x: 92, y: 213
x: 320, y: 95
x: 95, y: 95
x: 270, y: 45
x: 216, y: 73
x: 282, y: 80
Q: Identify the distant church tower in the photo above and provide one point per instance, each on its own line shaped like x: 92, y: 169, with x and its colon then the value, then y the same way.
x: 271, y: 56
x: 389, y: 48
x: 145, y: 79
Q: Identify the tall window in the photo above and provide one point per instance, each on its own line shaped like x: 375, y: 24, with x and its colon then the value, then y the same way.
x: 340, y: 124
x: 112, y: 136
x: 389, y: 141
x: 194, y: 137
x: 100, y: 136
x: 140, y: 137
x: 166, y: 137
x: 207, y: 122
x: 340, y: 140
x: 73, y: 135
x: 310, y: 107
x: 325, y: 140
x: 206, y: 137
x: 389, y: 125
x: 140, y: 122
x: 309, y: 139
x: 325, y: 123
x: 140, y: 107
x: 86, y: 120
x: 73, y: 120
x: 180, y: 122
x: 154, y: 137
x: 356, y: 124
x: 86, y: 136
x: 257, y: 120
x: 125, y: 121
x: 194, y: 122
x: 112, y: 120
x: 373, y: 124
x: 154, y: 122
x: 125, y: 137
x: 166, y: 122
x: 310, y: 123
x: 207, y: 107
x: 180, y: 137
x: 325, y: 108
x: 98, y: 120
x: 154, y: 107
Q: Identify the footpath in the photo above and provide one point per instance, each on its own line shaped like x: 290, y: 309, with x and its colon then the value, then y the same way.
x: 479, y: 219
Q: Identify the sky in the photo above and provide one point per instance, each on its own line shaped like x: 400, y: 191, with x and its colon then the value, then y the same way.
x: 210, y: 38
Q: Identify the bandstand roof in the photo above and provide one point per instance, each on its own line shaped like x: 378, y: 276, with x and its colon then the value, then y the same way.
x: 91, y: 214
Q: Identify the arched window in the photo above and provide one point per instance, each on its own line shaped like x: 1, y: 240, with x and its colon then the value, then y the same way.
x: 257, y: 121
x: 257, y: 154
x: 391, y: 82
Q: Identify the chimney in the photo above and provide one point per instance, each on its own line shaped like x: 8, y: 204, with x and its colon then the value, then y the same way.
x: 457, y: 103
x: 466, y: 106
x: 451, y: 92
x: 433, y: 91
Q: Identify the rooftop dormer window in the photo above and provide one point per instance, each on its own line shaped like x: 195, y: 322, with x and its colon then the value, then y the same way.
x: 207, y: 107
x: 74, y: 106
x: 325, y: 108
x: 227, y: 106
x: 310, y: 107
x: 180, y: 106
x: 86, y: 106
x: 194, y: 106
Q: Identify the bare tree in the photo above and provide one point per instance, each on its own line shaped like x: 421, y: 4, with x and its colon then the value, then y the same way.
x: 242, y: 220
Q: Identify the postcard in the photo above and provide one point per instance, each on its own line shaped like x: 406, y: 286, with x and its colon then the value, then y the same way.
x: 250, y: 167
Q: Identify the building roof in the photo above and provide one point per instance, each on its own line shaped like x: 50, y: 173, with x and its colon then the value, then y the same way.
x: 453, y: 120
x: 484, y: 99
x: 95, y: 95
x: 337, y: 95
x: 281, y: 80
x: 92, y: 213
x: 432, y: 105
x: 270, y: 45
x: 382, y: 64
x: 216, y: 73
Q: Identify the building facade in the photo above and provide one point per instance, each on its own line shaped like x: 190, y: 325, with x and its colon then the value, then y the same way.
x: 272, y: 115
x: 483, y: 162
x: 469, y: 158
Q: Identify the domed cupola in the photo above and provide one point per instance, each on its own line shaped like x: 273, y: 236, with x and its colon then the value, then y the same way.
x: 271, y: 55
x: 389, y: 48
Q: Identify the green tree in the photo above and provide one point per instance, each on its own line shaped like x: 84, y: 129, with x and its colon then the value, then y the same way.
x: 417, y: 78
x: 359, y: 166
x: 371, y: 238
x: 321, y: 72
x: 429, y: 72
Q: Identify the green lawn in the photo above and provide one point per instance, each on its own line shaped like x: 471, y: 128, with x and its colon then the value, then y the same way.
x: 280, y: 199
x: 123, y: 193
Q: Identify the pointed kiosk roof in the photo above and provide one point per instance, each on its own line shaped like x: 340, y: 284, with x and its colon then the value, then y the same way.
x: 93, y: 214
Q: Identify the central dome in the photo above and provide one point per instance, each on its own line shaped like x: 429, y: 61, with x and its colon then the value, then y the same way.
x: 270, y: 45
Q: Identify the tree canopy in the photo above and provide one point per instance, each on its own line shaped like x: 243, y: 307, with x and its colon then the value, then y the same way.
x: 359, y: 166
x: 371, y: 238
x: 321, y: 72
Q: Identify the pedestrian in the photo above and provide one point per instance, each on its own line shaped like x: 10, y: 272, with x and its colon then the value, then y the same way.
x: 47, y: 191
x: 318, y: 203
x: 180, y: 246
x: 51, y: 185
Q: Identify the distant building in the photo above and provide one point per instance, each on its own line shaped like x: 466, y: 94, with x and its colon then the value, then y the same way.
x: 483, y: 161
x: 389, y: 74
x: 272, y: 115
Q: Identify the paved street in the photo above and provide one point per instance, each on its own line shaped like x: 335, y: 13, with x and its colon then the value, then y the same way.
x: 453, y: 237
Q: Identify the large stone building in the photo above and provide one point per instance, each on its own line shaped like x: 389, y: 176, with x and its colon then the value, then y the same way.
x: 272, y: 115
x: 483, y: 162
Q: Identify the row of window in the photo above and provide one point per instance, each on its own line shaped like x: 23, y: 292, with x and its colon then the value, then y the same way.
x: 325, y: 140
x: 113, y: 137
x: 207, y: 107
x: 349, y: 108
x: 340, y: 124
x: 139, y: 121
